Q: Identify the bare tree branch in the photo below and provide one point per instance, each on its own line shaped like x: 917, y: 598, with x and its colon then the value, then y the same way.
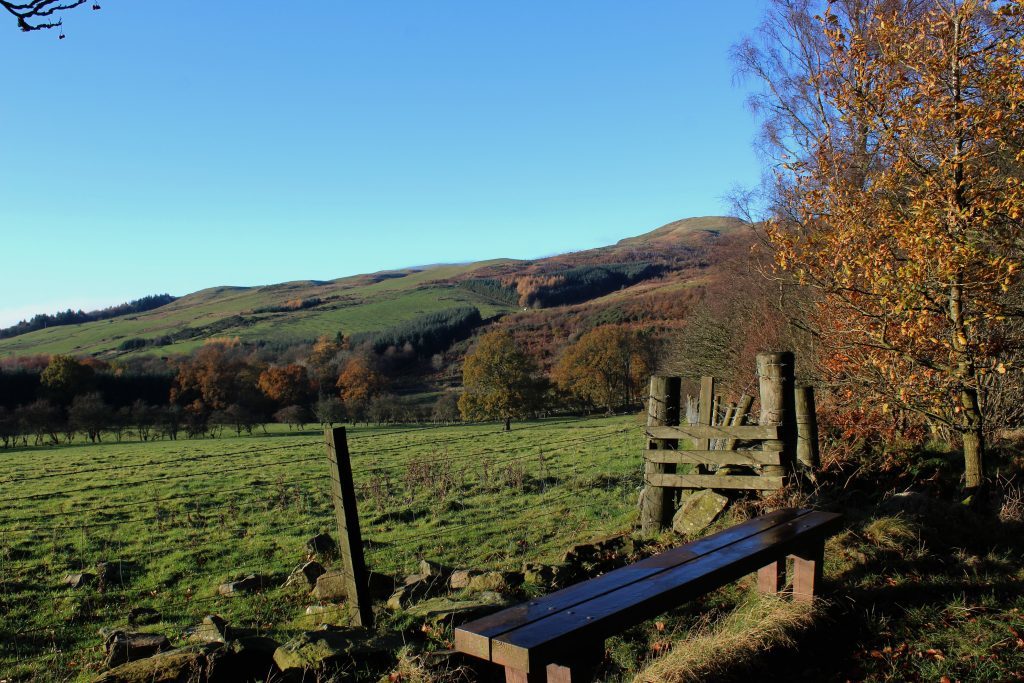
x: 31, y: 15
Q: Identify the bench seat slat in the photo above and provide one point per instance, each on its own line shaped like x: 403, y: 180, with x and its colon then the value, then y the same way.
x: 536, y: 643
x: 475, y: 638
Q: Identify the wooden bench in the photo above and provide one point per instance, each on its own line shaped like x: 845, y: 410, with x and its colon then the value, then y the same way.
x: 560, y: 637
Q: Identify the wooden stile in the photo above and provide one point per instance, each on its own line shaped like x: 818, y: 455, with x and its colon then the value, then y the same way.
x: 807, y: 453
x: 701, y: 433
x: 740, y: 416
x: 775, y: 375
x: 711, y: 441
x: 713, y: 481
x: 662, y: 412
x: 704, y: 411
x: 713, y: 457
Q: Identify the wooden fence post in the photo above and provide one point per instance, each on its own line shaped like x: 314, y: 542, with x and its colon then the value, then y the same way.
x: 706, y: 416
x: 776, y: 379
x: 662, y: 411
x: 350, y: 541
x: 807, y: 453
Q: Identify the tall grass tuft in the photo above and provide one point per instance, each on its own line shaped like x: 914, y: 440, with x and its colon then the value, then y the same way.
x: 761, y: 622
x: 891, y: 533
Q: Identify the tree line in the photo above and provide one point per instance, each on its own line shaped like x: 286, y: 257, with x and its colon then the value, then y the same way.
x: 69, y: 317
x: 228, y: 386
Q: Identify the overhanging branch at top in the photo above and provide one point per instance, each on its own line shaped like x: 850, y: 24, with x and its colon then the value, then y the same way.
x: 36, y: 15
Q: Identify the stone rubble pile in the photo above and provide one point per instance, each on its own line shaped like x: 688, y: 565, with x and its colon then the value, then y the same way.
x: 434, y: 597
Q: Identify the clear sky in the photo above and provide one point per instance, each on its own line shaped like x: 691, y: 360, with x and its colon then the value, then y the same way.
x: 172, y: 145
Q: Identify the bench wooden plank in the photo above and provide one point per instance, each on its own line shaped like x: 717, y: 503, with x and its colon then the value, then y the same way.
x: 529, y: 647
x: 746, y: 432
x: 711, y: 481
x: 713, y: 457
x: 475, y: 637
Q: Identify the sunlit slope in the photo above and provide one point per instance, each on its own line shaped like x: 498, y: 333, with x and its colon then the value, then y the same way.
x: 362, y: 303
x: 681, y: 254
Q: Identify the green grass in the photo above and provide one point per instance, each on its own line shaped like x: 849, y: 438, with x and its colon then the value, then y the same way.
x: 361, y: 306
x: 182, y: 517
x: 916, y: 589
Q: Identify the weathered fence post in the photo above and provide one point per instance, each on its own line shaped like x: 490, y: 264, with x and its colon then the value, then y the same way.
x: 662, y: 411
x: 807, y: 453
x: 776, y: 378
x: 706, y: 416
x: 350, y: 541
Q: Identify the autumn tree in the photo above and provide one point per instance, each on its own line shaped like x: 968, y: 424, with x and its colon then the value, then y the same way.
x: 608, y: 366
x: 66, y: 376
x: 896, y: 135
x: 323, y: 360
x: 217, y: 375
x: 285, y: 384
x: 501, y: 380
x: 359, y: 382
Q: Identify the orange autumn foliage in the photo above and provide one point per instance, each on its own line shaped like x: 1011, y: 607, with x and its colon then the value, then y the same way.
x: 898, y: 143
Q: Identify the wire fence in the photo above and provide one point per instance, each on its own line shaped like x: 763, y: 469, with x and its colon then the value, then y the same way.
x: 162, y: 525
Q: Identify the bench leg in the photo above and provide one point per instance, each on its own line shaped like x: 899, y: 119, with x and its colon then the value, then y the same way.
x: 515, y: 676
x: 807, y: 568
x: 577, y: 667
x: 555, y: 673
x: 771, y: 578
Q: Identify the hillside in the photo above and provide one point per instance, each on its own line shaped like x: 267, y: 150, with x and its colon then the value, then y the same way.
x: 610, y: 279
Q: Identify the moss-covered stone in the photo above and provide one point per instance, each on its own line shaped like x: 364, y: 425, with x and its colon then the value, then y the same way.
x: 698, y: 512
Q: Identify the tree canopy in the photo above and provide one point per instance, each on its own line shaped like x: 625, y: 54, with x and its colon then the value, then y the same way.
x: 501, y: 380
x: 607, y: 367
x: 898, y: 141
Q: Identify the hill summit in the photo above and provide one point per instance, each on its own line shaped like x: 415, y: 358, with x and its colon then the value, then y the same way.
x: 617, y: 281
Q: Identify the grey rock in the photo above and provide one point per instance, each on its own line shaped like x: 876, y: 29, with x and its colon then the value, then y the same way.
x: 460, y: 578
x: 698, y: 512
x: 428, y: 568
x: 213, y: 629
x: 109, y: 572
x: 539, y: 574
x: 79, y: 580
x: 249, y: 584
x: 495, y: 581
x: 412, y: 579
x: 172, y: 666
x: 452, y: 612
x: 316, y: 650
x: 322, y: 544
x: 416, y: 587
x: 126, y: 646
x: 306, y: 575
x: 330, y: 586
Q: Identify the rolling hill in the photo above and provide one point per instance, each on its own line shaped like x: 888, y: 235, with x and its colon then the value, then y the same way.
x: 608, y: 281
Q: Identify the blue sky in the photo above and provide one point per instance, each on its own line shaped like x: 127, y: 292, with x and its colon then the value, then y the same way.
x: 172, y: 145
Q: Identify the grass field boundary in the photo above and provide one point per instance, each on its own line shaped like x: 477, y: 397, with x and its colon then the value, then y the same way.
x: 174, y: 461
x: 177, y: 525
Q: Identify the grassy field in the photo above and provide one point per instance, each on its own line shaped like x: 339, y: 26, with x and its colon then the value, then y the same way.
x: 353, y: 305
x: 919, y: 587
x: 179, y: 518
